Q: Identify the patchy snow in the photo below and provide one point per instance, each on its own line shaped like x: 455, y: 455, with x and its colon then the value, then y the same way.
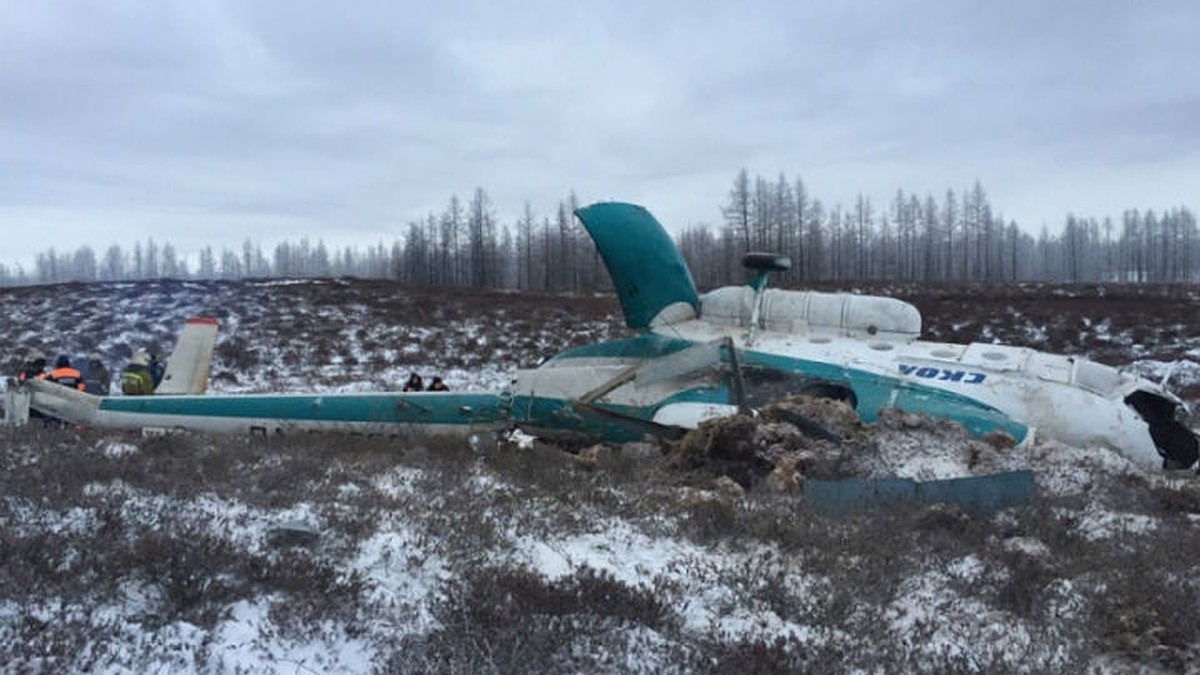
x: 742, y: 579
x: 248, y: 641
x: 617, y: 548
x: 1183, y: 372
x: 403, y: 569
x: 1027, y: 546
x: 1066, y: 470
x: 937, y: 624
x: 697, y: 577
x: 922, y: 456
x: 1100, y: 523
x: 397, y: 482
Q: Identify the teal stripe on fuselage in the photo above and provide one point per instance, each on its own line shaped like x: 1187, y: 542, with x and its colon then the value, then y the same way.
x: 874, y: 392
x: 558, y: 416
x: 393, y: 408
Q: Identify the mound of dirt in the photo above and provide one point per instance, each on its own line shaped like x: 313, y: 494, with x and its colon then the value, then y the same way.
x: 802, y: 437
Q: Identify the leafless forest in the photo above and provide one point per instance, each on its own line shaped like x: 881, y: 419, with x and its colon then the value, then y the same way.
x: 958, y: 235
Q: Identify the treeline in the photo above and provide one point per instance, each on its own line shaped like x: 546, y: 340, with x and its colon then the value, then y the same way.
x: 958, y: 236
x: 955, y: 236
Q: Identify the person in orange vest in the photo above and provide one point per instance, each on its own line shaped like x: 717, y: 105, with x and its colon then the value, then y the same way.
x: 34, y: 367
x: 65, y: 375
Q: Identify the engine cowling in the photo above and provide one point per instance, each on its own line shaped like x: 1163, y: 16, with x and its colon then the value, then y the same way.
x: 784, y: 311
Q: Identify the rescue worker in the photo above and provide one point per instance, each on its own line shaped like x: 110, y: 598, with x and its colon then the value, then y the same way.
x: 98, y: 379
x: 157, y: 369
x: 414, y: 383
x: 136, y: 379
x: 34, y: 367
x: 438, y: 385
x: 66, y: 375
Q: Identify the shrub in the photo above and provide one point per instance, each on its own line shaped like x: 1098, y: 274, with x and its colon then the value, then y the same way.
x: 504, y: 619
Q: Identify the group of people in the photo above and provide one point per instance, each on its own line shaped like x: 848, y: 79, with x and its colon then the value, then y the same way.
x: 141, y: 376
x: 94, y: 379
x: 415, y: 383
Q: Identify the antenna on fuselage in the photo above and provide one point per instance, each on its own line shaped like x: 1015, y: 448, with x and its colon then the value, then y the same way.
x: 763, y: 264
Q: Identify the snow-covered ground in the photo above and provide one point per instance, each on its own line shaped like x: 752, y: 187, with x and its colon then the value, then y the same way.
x: 124, y: 554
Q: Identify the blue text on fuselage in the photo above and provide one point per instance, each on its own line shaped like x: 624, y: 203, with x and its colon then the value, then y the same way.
x: 942, y: 374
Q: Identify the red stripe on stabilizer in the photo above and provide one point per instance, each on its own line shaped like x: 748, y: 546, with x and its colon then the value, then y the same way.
x: 203, y: 319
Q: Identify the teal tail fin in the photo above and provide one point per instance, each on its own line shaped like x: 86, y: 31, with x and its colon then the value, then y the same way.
x: 646, y: 267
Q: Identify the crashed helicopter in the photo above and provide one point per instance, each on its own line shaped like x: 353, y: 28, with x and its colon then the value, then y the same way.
x: 695, y: 357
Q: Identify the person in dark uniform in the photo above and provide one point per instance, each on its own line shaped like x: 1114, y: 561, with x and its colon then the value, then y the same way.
x: 157, y: 369
x: 414, y: 383
x: 66, y: 375
x: 98, y: 379
x: 437, y: 385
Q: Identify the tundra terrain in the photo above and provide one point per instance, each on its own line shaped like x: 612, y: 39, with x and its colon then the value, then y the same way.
x: 121, y: 553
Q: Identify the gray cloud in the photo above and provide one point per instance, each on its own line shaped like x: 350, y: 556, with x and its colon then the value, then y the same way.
x: 207, y: 123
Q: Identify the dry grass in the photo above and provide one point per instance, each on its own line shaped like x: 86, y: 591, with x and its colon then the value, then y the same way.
x: 1136, y: 590
x: 87, y: 518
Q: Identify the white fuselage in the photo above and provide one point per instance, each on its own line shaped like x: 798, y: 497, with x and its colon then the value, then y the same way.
x: 1064, y: 398
x: 1069, y: 399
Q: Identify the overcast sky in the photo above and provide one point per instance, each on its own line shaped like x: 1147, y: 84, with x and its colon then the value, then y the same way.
x: 209, y: 121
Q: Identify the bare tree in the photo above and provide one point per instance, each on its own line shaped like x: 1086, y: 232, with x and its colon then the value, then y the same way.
x: 738, y: 211
x: 525, y: 246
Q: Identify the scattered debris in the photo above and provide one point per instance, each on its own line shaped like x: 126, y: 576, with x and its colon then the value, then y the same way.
x: 726, y: 486
x: 819, y: 449
x: 983, y: 493
x: 293, y: 533
x: 591, y: 457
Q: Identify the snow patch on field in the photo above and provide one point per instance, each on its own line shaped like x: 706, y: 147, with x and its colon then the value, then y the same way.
x: 404, y: 570
x: 398, y: 530
x: 1100, y: 523
x: 250, y: 642
x: 938, y: 624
